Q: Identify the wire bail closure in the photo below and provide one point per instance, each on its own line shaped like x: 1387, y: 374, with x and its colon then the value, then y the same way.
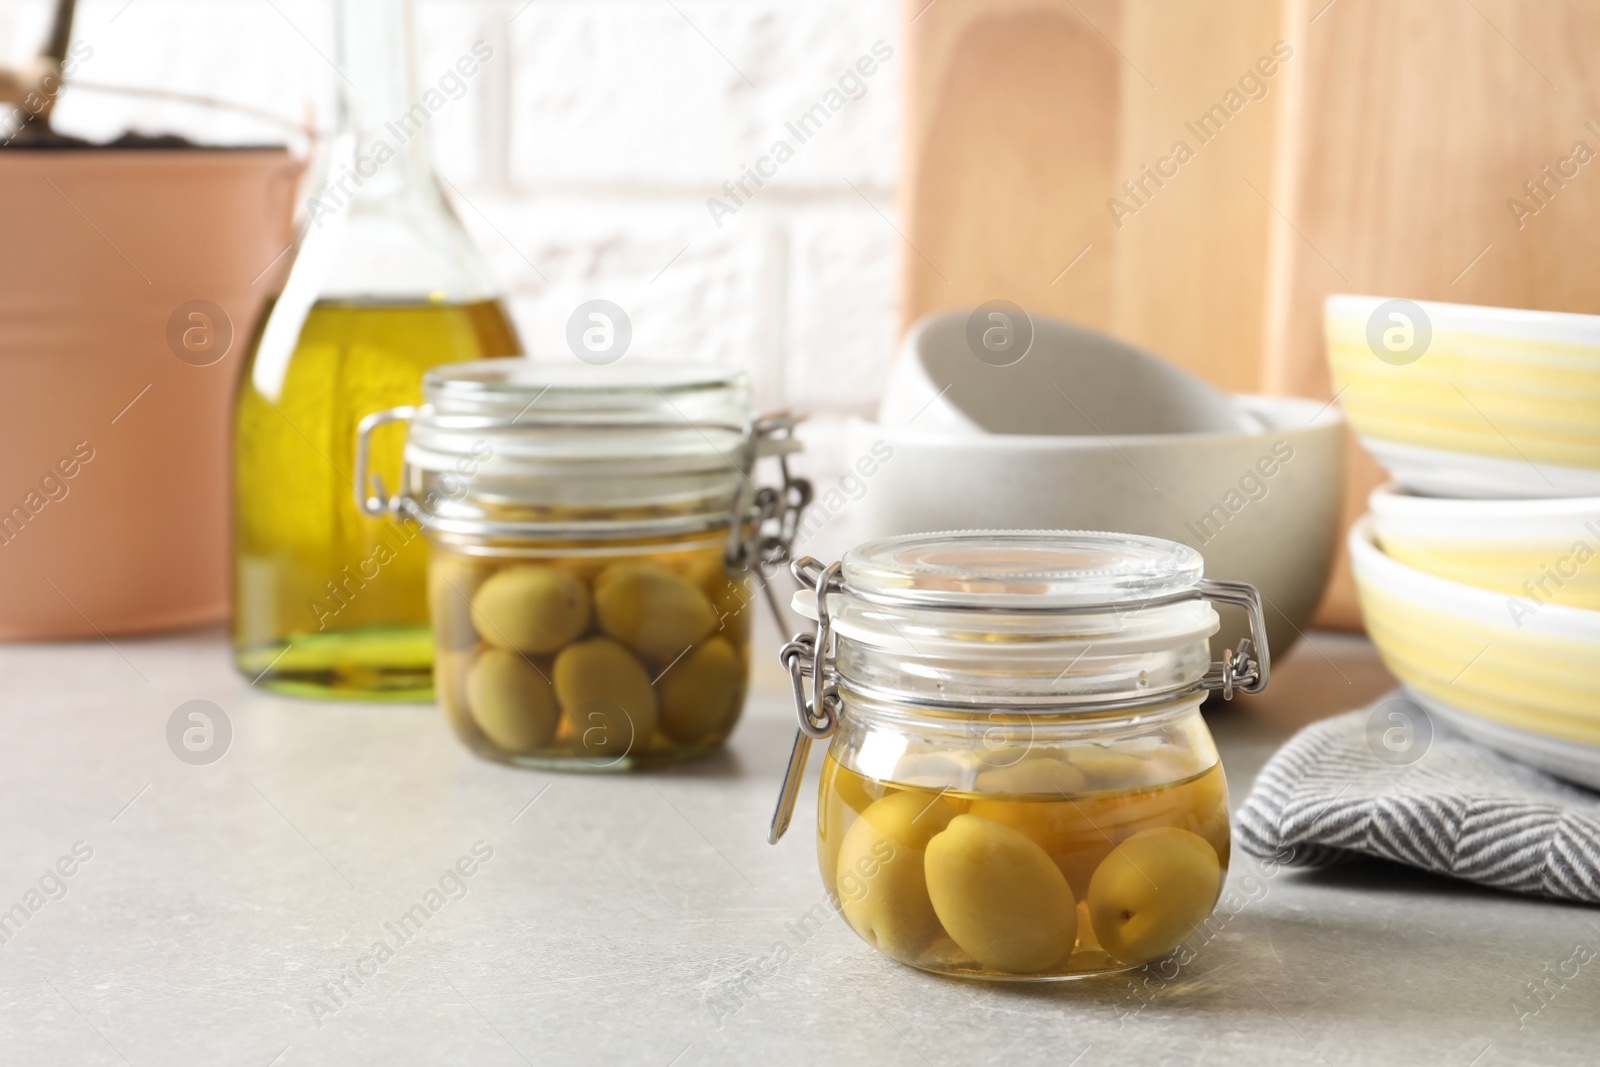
x: 380, y: 503
x: 1247, y: 667
x: 819, y: 712
x: 763, y: 521
x: 806, y: 657
x: 818, y: 705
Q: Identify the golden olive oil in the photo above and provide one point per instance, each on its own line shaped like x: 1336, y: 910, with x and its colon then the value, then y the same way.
x: 327, y: 601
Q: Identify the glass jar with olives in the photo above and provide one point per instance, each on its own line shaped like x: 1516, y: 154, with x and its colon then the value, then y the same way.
x: 1019, y: 784
x: 594, y: 533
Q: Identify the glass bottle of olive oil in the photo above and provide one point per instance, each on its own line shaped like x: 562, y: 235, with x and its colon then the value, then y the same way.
x: 385, y: 284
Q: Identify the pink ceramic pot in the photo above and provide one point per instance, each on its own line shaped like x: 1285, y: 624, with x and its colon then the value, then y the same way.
x: 117, y: 375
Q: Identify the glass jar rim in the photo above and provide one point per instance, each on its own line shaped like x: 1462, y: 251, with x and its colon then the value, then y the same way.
x: 615, y: 388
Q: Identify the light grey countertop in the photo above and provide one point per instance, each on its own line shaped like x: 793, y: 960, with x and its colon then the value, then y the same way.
x: 639, y: 919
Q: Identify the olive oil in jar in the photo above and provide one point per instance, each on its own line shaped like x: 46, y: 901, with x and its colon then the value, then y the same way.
x: 329, y: 602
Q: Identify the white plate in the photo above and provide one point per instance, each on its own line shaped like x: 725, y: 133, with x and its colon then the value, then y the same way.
x: 1533, y: 522
x: 1457, y: 474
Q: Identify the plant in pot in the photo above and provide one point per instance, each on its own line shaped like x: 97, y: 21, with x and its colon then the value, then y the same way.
x: 138, y: 269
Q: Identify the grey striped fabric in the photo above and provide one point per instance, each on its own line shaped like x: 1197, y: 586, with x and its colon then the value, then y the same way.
x: 1346, y: 787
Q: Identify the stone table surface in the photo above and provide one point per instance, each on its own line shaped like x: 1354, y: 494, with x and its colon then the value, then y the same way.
x: 213, y: 912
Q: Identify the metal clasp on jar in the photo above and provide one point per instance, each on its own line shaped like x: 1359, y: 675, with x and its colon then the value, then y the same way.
x: 380, y: 503
x: 806, y: 657
x: 767, y: 518
x: 1241, y: 668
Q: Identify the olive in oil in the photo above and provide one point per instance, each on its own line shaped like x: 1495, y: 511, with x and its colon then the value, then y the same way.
x: 1125, y: 865
x: 327, y: 601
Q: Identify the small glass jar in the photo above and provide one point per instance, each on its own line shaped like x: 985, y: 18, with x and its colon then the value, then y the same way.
x: 1019, y: 783
x: 592, y: 534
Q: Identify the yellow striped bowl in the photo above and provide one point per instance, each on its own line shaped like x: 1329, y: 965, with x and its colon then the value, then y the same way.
x: 1471, y: 650
x: 1457, y: 400
x: 1539, y: 551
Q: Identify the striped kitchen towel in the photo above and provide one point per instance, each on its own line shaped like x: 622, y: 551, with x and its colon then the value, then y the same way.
x: 1388, y: 781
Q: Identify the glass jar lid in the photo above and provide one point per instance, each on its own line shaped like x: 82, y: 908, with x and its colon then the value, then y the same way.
x: 1025, y: 619
x: 1005, y: 595
x: 522, y: 448
x: 1035, y: 571
x: 558, y: 420
x: 512, y: 386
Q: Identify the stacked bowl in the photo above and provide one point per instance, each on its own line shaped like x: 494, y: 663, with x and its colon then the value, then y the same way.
x: 1076, y: 430
x: 1478, y: 569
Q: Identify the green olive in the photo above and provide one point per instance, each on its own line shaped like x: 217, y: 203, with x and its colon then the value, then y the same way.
x: 1072, y: 831
x: 882, y: 889
x: 605, y: 695
x: 1000, y: 897
x: 531, y: 609
x: 1152, y: 891
x: 1107, y: 768
x: 1210, y: 794
x: 511, y: 701
x: 701, y: 691
x: 856, y: 790
x: 1059, y: 823
x: 652, y: 610
x: 452, y: 580
x: 1038, y: 776
x: 730, y: 591
x: 842, y: 795
x: 935, y: 770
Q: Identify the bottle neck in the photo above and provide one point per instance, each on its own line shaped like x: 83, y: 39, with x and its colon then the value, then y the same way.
x: 382, y: 125
x: 379, y: 229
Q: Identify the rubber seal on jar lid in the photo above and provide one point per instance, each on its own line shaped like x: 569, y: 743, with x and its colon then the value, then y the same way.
x: 1039, y: 569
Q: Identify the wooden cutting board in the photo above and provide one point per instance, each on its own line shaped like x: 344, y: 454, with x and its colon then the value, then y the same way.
x: 1378, y: 157
x: 1396, y: 180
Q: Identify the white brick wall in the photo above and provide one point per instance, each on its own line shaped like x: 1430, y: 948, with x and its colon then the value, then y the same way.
x: 585, y: 151
x: 645, y: 94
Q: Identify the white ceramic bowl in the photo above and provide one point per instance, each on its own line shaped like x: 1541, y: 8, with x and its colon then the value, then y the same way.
x: 1457, y: 400
x: 1261, y: 505
x: 1572, y: 760
x: 1478, y: 653
x: 1072, y: 380
x: 1544, y: 551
